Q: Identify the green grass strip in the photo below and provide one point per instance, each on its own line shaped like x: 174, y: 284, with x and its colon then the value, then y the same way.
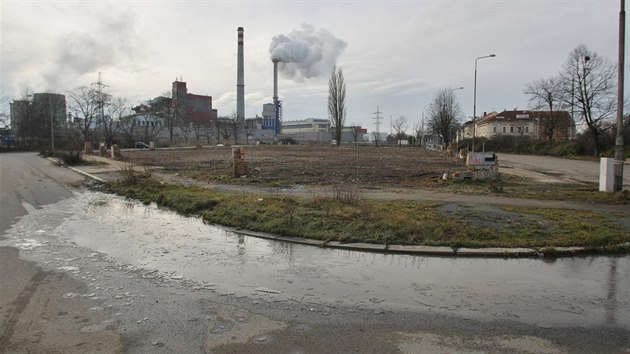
x: 379, y: 221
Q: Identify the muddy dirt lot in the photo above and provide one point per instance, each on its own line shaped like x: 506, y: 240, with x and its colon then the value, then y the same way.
x: 308, y: 164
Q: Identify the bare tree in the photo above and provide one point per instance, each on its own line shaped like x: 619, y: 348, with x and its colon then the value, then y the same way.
x: 400, y: 128
x: 218, y: 125
x: 198, y: 130
x: 236, y: 127
x: 85, y: 104
x: 150, y: 130
x: 111, y: 124
x: 185, y: 129
x: 208, y: 131
x: 225, y: 128
x: 547, y: 94
x: 418, y: 133
x: 180, y: 117
x: 248, y: 129
x: 24, y: 126
x: 444, y: 114
x: 128, y: 128
x: 355, y: 133
x: 5, y: 122
x: 589, y: 82
x: 337, y: 103
x: 167, y: 109
x: 55, y: 117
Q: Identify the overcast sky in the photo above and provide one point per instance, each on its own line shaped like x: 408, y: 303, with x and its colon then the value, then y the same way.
x: 394, y: 54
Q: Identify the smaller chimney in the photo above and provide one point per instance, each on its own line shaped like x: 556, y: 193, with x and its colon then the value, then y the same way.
x: 275, y: 80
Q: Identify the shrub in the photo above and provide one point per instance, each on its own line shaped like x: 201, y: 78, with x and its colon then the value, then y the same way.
x: 70, y: 158
x: 565, y: 148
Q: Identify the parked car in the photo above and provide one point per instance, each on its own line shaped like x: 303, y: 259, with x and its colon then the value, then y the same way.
x: 141, y: 145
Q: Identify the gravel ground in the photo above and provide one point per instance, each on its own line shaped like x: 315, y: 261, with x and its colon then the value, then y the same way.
x: 311, y: 164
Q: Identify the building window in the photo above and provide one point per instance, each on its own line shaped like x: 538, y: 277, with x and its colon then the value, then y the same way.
x: 504, y: 129
x: 519, y: 129
x: 527, y: 129
x: 494, y: 129
x: 511, y: 129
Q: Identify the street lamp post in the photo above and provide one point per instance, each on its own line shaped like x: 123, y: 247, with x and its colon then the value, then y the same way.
x: 422, y: 127
x: 475, y: 99
x: 619, y: 154
x: 456, y: 137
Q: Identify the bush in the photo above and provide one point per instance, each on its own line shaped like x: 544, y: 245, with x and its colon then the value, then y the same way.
x: 70, y: 158
x: 565, y: 148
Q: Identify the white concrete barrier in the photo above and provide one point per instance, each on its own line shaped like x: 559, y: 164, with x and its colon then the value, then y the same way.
x: 606, y: 174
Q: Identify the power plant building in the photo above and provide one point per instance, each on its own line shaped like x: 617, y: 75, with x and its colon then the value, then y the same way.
x: 271, y: 117
x: 194, y: 109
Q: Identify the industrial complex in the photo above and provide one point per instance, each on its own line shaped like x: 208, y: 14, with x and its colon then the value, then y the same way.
x: 187, y: 118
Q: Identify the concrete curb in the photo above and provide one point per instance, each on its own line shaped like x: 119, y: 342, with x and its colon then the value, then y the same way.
x: 420, y: 250
x: 490, y: 252
x: 89, y: 175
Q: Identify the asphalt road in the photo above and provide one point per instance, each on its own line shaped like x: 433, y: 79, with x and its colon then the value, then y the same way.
x: 566, y: 169
x: 67, y: 297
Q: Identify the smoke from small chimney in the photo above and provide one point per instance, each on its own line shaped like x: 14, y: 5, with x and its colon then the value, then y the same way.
x: 306, y: 52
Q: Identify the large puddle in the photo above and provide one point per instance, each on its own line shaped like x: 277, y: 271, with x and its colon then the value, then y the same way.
x: 580, y: 291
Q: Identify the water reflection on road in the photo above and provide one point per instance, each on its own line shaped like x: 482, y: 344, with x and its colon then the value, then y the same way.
x: 579, y: 291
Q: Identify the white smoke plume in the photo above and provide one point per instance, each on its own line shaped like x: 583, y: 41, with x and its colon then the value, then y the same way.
x: 111, y: 42
x: 306, y: 52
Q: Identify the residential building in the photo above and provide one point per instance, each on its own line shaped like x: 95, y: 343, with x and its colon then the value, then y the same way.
x: 534, y: 124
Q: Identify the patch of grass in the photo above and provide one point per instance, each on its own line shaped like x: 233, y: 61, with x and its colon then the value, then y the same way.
x: 516, y: 188
x: 377, y: 221
x: 575, y: 227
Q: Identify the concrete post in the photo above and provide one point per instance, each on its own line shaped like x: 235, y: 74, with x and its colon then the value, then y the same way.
x: 606, y: 175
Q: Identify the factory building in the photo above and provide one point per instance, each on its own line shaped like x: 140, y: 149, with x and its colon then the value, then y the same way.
x: 272, y: 115
x: 307, y: 130
x: 195, y: 110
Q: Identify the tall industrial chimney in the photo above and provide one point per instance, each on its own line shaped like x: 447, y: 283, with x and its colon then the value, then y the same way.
x: 275, y: 80
x: 276, y: 102
x: 240, y: 80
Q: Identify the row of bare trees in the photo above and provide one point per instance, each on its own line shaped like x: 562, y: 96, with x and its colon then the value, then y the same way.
x: 586, y: 84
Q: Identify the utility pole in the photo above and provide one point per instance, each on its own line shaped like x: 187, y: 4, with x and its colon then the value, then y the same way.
x: 572, y: 108
x: 618, y: 164
x: 378, y: 124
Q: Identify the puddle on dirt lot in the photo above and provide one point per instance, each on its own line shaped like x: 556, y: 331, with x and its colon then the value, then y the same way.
x: 579, y: 291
